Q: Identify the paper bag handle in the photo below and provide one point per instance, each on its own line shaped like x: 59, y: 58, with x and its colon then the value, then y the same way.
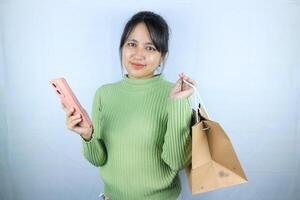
x: 198, y: 97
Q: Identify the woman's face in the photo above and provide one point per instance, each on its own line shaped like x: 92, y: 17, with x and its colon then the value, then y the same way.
x: 139, y: 55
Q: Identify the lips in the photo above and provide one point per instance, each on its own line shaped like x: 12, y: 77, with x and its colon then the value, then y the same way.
x: 137, y: 65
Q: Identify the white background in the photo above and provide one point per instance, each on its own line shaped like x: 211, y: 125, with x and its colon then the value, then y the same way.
x: 245, y: 56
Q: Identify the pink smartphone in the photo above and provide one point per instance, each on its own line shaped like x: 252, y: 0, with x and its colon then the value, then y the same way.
x: 64, y: 92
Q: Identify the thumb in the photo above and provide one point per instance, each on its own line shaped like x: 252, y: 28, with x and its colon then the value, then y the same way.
x: 178, y: 84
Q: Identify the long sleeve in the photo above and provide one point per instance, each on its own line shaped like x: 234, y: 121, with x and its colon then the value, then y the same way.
x: 94, y: 150
x: 141, y: 138
x: 177, y: 141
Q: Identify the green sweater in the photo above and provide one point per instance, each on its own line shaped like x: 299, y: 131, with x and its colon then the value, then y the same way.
x: 141, y: 139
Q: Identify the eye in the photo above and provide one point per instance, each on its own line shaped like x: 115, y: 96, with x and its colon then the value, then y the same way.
x: 131, y: 44
x: 150, y: 48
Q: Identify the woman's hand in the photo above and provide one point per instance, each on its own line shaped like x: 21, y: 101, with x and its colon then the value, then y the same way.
x: 72, y: 121
x: 182, y: 89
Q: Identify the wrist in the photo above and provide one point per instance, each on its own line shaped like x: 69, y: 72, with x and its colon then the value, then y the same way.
x: 88, y: 135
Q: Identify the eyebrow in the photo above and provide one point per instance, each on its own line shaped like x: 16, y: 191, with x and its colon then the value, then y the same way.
x: 137, y: 41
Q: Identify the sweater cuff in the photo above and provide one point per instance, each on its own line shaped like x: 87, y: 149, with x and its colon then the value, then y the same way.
x: 87, y: 141
x: 92, y: 136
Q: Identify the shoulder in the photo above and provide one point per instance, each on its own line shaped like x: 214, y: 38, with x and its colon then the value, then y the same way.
x: 167, y: 85
x: 107, y: 87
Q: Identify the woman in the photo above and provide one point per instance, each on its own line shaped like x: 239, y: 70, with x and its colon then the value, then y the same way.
x: 140, y: 137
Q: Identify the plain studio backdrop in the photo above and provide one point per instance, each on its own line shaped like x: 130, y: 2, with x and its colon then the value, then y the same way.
x: 245, y: 56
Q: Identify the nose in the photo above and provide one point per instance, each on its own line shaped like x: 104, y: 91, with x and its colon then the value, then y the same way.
x: 139, y: 53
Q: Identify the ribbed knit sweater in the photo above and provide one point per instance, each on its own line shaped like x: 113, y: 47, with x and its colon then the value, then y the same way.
x: 141, y: 139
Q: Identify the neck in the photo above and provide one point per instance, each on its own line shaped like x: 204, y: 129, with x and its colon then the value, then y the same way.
x: 141, y: 84
x: 140, y: 78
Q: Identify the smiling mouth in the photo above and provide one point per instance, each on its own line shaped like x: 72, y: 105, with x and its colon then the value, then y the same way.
x: 137, y: 65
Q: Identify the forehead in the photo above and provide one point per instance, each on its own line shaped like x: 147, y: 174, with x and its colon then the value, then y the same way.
x: 140, y: 33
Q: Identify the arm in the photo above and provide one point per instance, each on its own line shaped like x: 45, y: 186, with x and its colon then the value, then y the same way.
x: 177, y: 147
x: 94, y: 149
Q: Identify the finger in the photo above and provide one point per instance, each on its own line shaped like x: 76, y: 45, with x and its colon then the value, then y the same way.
x: 178, y: 84
x: 74, y: 117
x: 187, y: 87
x: 73, y: 123
x: 187, y: 78
x: 189, y: 84
x: 65, y: 108
x: 70, y: 111
x: 185, y: 93
x: 190, y: 80
x: 181, y: 77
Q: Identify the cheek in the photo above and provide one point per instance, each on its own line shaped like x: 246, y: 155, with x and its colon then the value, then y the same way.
x: 125, y: 55
x: 154, y: 59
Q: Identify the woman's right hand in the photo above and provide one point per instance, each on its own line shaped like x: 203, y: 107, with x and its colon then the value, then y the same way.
x: 72, y: 123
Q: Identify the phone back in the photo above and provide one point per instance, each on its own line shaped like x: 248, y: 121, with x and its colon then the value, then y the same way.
x: 64, y: 92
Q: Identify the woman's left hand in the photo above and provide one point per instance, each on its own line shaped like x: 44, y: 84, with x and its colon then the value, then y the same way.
x: 182, y: 89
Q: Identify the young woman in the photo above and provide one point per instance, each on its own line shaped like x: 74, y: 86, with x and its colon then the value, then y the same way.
x: 140, y: 137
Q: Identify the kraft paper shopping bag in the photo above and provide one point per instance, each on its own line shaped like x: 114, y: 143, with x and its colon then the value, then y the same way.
x: 214, y: 162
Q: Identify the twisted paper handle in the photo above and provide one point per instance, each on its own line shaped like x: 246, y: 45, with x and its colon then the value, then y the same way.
x: 198, y: 97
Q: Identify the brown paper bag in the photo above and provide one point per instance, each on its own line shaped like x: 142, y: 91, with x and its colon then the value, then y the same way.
x: 214, y: 162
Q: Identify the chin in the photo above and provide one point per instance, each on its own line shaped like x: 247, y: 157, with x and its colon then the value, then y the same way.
x: 134, y: 72
x: 135, y: 75
x: 139, y: 75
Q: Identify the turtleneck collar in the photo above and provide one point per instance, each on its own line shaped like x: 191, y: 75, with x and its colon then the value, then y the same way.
x: 141, y: 84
